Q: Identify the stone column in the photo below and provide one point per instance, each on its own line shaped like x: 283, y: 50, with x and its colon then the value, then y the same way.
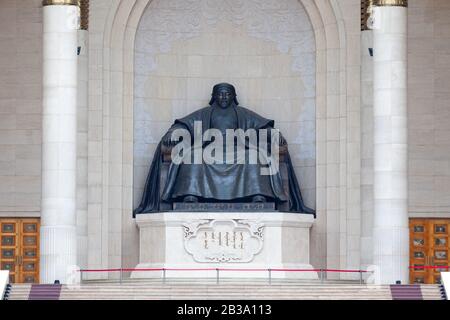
x: 390, y: 230
x: 366, y: 134
x: 82, y: 137
x: 59, y: 139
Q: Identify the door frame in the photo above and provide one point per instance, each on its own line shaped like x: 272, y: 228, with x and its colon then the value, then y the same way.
x: 20, y: 247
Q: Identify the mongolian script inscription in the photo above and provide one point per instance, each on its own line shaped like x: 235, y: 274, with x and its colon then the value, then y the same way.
x: 227, y: 239
x: 229, y: 207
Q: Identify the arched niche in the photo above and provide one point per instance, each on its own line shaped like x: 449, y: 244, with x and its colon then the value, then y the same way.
x: 117, y: 104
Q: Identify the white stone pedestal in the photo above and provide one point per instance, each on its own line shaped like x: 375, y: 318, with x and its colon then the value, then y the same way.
x: 225, y: 240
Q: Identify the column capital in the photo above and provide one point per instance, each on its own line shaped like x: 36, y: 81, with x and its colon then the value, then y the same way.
x: 60, y: 2
x: 84, y: 14
x: 391, y: 3
x: 366, y: 11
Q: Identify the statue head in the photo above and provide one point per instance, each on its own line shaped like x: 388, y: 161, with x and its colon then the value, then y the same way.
x: 224, y: 95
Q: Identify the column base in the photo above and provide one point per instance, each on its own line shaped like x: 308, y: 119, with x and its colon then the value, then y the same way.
x: 58, y: 253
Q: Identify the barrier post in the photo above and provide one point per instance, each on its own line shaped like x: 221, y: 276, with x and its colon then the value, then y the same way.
x: 360, y: 277
x: 121, y: 275
x: 321, y: 275
x: 270, y: 276
x: 217, y: 275
x: 164, y: 275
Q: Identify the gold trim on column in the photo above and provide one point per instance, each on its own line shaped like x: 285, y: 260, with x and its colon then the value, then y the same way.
x: 366, y: 8
x: 84, y: 12
x: 391, y: 3
x: 61, y: 2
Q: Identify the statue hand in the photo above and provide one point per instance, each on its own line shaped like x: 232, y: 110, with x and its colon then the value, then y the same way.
x: 167, y: 140
x: 283, y: 141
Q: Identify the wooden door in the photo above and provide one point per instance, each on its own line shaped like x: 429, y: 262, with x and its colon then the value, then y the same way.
x: 9, y: 246
x: 19, y: 249
x: 429, y: 249
x: 29, y: 251
x: 439, y: 233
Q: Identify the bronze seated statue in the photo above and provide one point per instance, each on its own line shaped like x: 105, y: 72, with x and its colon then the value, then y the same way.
x: 238, y: 181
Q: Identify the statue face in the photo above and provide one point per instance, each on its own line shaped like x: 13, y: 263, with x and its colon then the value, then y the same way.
x: 224, y: 98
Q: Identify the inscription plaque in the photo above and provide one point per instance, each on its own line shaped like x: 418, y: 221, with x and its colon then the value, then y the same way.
x: 223, y: 240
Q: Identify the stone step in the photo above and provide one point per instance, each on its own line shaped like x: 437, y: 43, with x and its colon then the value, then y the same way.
x: 214, y: 284
x: 226, y: 292
x: 235, y: 294
x: 220, y: 294
x: 230, y: 291
x: 234, y: 299
x: 221, y: 286
x: 232, y: 288
x: 223, y: 295
x: 216, y: 288
x: 219, y: 290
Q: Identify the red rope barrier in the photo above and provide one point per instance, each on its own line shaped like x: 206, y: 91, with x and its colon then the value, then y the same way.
x: 222, y: 269
x: 350, y: 271
x: 244, y: 270
x: 100, y: 270
x: 296, y: 270
x: 174, y: 269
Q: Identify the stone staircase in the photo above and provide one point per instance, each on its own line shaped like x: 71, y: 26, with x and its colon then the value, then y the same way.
x: 244, y: 290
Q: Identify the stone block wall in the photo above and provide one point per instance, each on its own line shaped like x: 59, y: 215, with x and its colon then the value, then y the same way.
x: 20, y: 107
x: 429, y: 107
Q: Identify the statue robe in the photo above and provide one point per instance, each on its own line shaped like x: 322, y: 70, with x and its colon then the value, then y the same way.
x: 218, y: 182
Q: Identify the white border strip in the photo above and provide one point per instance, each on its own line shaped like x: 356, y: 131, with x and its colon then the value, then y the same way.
x: 445, y: 276
x: 4, y: 280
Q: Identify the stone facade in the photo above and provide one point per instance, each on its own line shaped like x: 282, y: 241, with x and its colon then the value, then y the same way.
x: 333, y: 243
x: 20, y: 107
x: 428, y: 108
x: 108, y: 157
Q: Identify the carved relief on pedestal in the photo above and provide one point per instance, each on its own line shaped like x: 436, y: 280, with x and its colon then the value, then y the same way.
x: 223, y: 240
